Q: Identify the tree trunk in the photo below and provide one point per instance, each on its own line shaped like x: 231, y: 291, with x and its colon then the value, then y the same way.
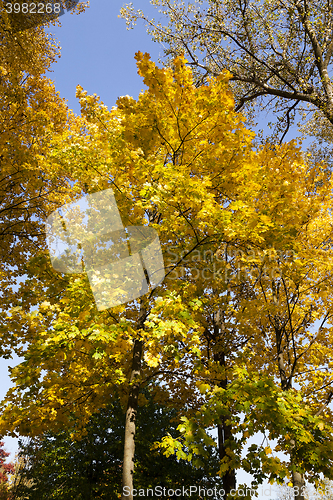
x: 132, y: 407
x: 224, y: 431
x: 229, y: 478
x: 297, y: 478
x: 299, y: 485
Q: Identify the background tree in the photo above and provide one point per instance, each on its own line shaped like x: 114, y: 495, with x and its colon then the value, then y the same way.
x: 6, y: 469
x: 31, y: 114
x: 279, y: 52
x: 55, y: 466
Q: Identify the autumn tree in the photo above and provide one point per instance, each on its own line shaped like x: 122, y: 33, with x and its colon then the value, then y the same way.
x: 31, y: 113
x: 279, y: 52
x: 180, y: 160
x: 109, y: 124
x: 270, y: 316
x: 275, y: 50
x: 26, y: 96
x: 132, y: 149
x: 6, y: 468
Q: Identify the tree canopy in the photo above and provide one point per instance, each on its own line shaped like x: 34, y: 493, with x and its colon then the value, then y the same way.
x: 279, y: 52
x: 232, y: 333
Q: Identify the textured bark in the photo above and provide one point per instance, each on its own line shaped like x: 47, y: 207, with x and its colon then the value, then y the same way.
x: 297, y: 478
x: 298, y: 484
x: 285, y: 381
x: 132, y: 407
x: 224, y: 430
x: 229, y: 478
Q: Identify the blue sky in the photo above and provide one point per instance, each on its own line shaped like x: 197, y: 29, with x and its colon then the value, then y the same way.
x: 98, y: 52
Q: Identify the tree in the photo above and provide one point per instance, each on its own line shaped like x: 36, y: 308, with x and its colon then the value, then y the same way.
x: 150, y: 145
x: 270, y: 316
x: 77, y: 156
x: 5, y: 470
x: 29, y: 108
x: 179, y: 158
x: 31, y: 113
x: 55, y: 466
x: 277, y: 51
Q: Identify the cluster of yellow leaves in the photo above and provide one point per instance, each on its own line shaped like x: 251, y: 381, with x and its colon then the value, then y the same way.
x: 180, y: 159
x: 32, y: 114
